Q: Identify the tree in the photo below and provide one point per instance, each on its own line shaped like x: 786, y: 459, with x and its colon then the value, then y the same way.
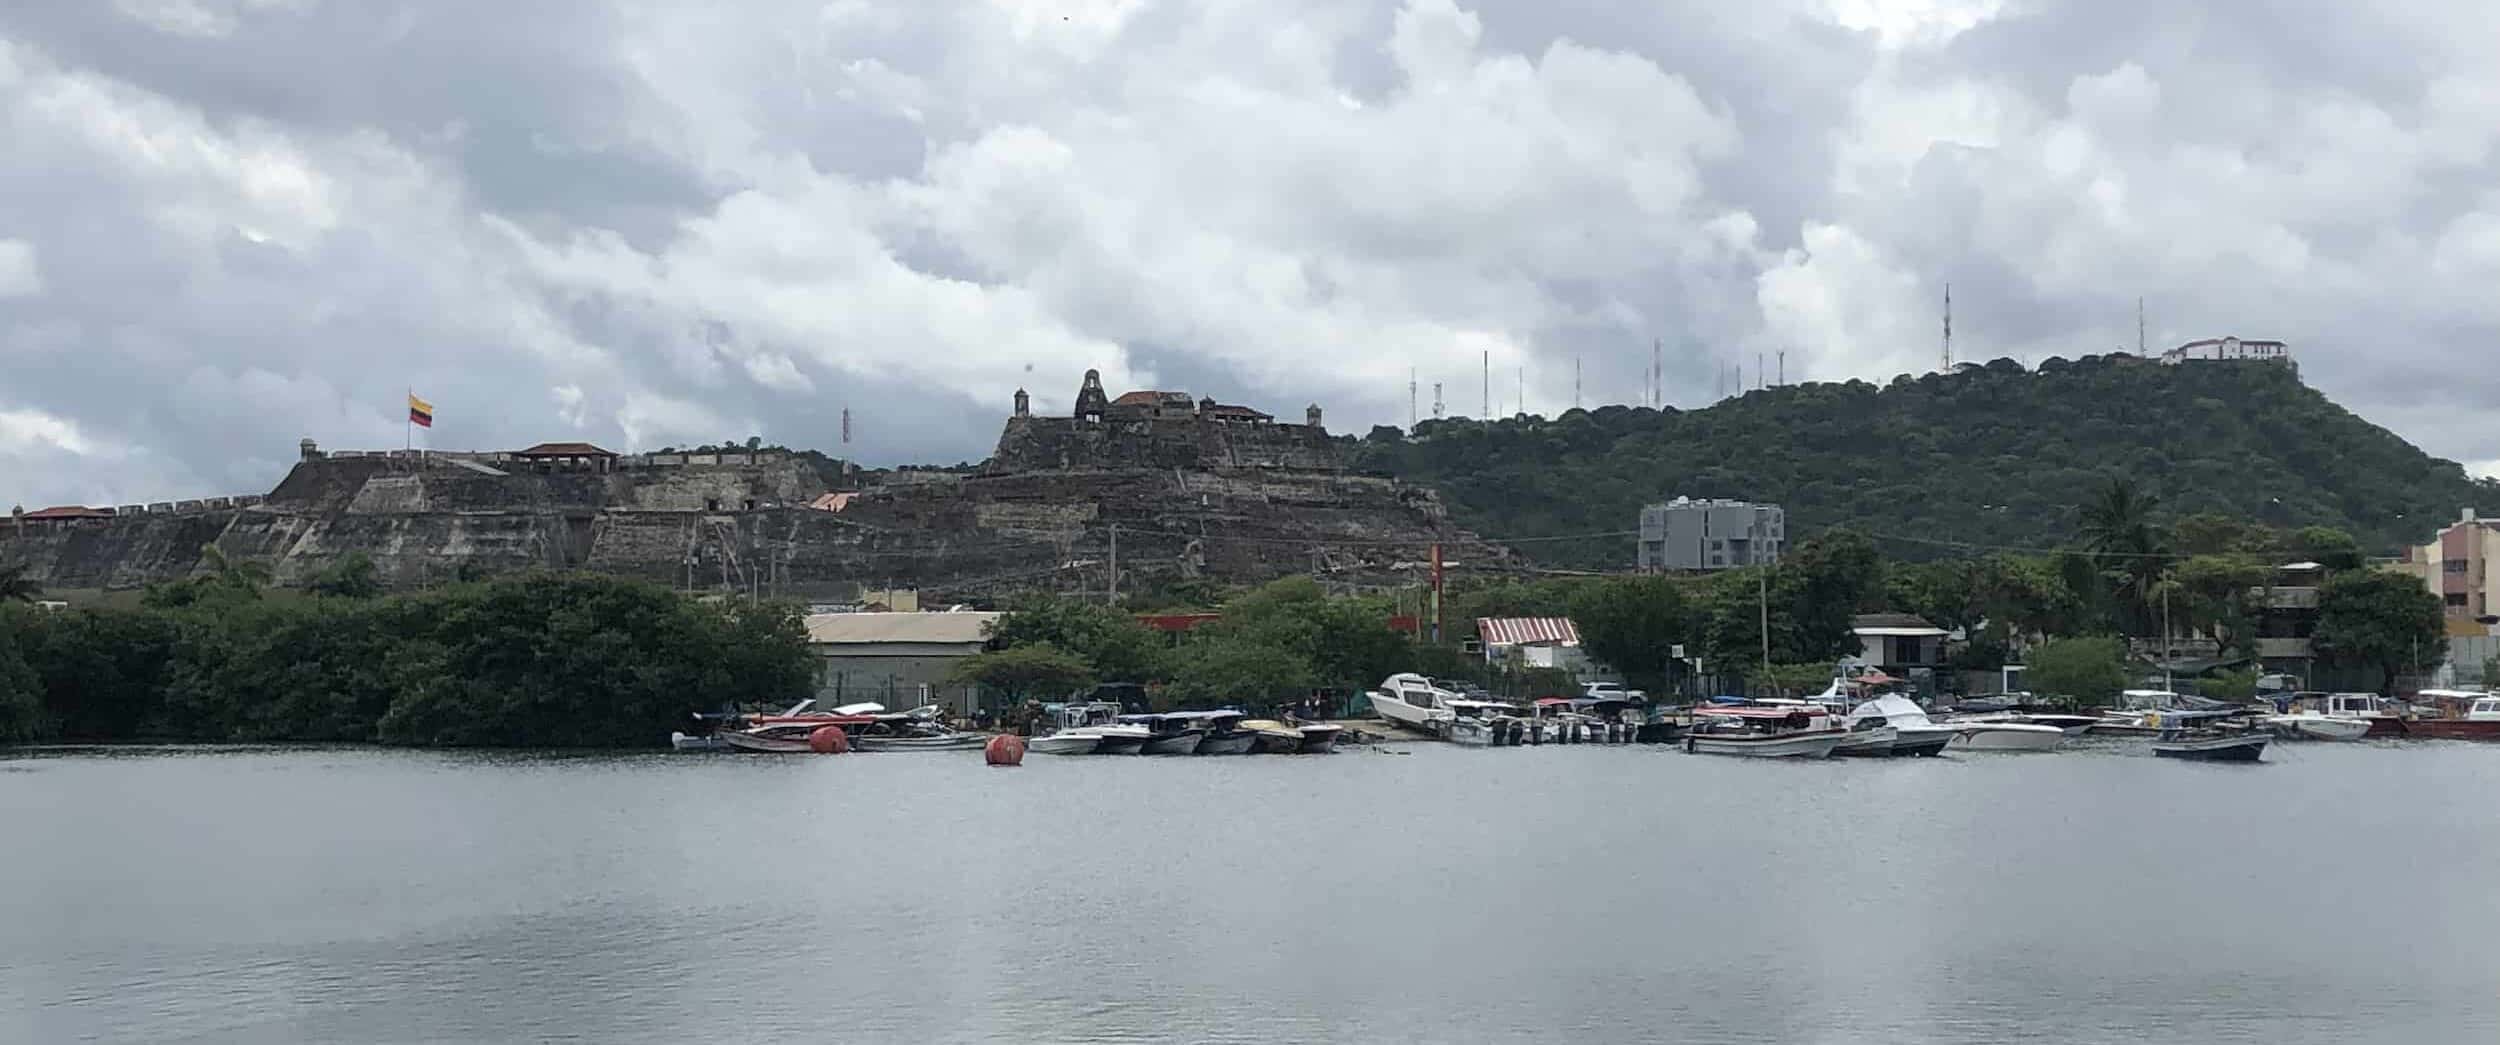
x: 1220, y: 670
x: 1344, y: 643
x: 2211, y: 592
x: 21, y: 695
x: 1632, y: 624
x: 16, y: 586
x: 242, y: 576
x: 2238, y: 687
x: 2387, y: 621
x: 1023, y: 672
x: 2080, y: 672
x: 1111, y: 643
x: 352, y: 577
x: 2118, y: 529
x: 1825, y: 581
x: 2326, y: 546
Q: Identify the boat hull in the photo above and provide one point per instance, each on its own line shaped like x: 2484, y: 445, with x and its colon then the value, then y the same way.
x: 1119, y: 744
x: 1227, y: 743
x: 1183, y: 743
x: 1921, y: 743
x: 780, y: 745
x: 1275, y: 744
x: 1795, y: 745
x: 1063, y: 744
x: 2453, y: 729
x: 2319, y: 727
x: 1317, y: 740
x: 2008, y: 738
x: 690, y: 742
x: 949, y: 742
x: 1407, y: 716
x: 2248, y: 748
x: 1868, y: 743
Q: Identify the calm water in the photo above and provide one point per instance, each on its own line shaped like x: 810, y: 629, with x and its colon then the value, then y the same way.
x: 2338, y: 894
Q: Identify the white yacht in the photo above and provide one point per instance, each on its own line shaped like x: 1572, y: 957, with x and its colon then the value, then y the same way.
x: 1415, y: 702
x: 1913, y: 732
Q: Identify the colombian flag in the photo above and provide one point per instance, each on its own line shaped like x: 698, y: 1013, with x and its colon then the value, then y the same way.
x: 420, y: 412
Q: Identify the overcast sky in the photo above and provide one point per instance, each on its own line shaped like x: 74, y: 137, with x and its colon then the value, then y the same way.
x: 229, y: 224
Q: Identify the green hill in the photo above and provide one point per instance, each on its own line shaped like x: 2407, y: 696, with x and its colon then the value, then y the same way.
x: 1995, y: 456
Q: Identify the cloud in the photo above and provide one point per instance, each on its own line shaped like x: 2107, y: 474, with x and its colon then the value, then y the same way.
x: 18, y: 276
x: 228, y: 224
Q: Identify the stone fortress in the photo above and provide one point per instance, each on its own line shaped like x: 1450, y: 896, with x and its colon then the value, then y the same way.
x: 1168, y: 485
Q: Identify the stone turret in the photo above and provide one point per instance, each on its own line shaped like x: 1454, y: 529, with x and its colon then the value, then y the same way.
x: 1024, y: 404
x: 308, y: 450
x: 1091, y: 403
x: 1311, y: 416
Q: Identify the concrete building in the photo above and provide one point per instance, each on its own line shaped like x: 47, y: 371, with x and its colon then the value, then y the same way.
x: 2457, y: 566
x: 1685, y: 534
x: 2287, y: 615
x: 900, y: 660
x: 2229, y: 349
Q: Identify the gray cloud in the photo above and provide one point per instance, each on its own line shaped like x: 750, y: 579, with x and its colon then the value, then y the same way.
x: 225, y: 224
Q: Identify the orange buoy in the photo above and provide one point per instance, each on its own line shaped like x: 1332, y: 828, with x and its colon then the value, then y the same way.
x: 1005, y: 749
x: 828, y: 740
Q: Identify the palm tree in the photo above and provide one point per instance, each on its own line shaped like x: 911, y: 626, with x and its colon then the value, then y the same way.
x: 2118, y: 527
x: 15, y: 586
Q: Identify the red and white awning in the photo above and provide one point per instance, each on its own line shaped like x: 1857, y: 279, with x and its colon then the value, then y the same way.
x: 1527, y: 631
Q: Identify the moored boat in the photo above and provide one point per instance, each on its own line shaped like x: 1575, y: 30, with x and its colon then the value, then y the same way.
x: 2207, y: 736
x: 1782, y: 731
x: 2312, y: 725
x: 1319, y: 737
x: 1174, y: 734
x: 1414, y: 702
x: 2004, y: 732
x: 1223, y: 732
x: 1913, y: 732
x: 787, y: 738
x: 1089, y: 729
x: 1274, y: 738
x: 1868, y: 740
x: 2458, y: 715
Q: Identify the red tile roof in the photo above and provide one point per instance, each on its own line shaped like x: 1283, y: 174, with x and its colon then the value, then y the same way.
x: 71, y: 511
x: 563, y: 450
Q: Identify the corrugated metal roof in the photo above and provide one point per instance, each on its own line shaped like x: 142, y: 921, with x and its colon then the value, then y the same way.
x: 874, y: 628
x: 1513, y: 631
x: 563, y: 450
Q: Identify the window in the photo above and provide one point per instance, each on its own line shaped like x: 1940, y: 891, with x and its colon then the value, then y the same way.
x: 2456, y: 598
x: 2453, y: 566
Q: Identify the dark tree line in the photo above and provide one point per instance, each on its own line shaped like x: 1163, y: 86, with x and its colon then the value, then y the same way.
x: 543, y: 660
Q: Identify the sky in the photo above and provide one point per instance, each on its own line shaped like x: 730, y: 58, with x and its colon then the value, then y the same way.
x: 227, y: 225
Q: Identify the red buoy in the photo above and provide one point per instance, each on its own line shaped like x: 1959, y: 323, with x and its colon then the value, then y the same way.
x: 1005, y: 749
x: 828, y: 740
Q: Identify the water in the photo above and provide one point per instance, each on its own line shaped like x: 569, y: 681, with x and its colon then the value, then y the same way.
x: 2337, y: 894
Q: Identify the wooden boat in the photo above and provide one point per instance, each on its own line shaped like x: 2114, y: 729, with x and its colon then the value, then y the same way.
x: 1754, y: 731
x: 2458, y: 715
x: 2208, y: 736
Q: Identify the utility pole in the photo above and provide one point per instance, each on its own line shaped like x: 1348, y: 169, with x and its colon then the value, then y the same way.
x: 1410, y: 399
x: 1522, y: 375
x: 2139, y: 326
x: 1757, y: 370
x: 1488, y: 385
x: 1948, y: 330
x: 1657, y: 379
x: 1436, y: 401
x: 1762, y: 577
x: 1783, y: 366
x: 1575, y: 382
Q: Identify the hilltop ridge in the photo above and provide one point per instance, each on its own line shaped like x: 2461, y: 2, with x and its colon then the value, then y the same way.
x: 1992, y: 455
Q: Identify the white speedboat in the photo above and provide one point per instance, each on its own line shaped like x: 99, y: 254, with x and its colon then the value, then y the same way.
x: 2313, y: 725
x: 1783, y: 731
x: 1913, y: 732
x: 2004, y: 735
x: 1069, y: 742
x: 1415, y: 702
x: 1319, y: 737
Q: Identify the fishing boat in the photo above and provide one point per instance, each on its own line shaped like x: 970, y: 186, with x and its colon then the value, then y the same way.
x: 1914, y: 733
x: 1174, y: 734
x: 1756, y: 731
x: 1319, y: 737
x: 2454, y: 714
x: 1274, y: 738
x: 787, y: 738
x: 2208, y: 736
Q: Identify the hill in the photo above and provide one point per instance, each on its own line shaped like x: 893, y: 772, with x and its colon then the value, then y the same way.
x: 1993, y: 455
